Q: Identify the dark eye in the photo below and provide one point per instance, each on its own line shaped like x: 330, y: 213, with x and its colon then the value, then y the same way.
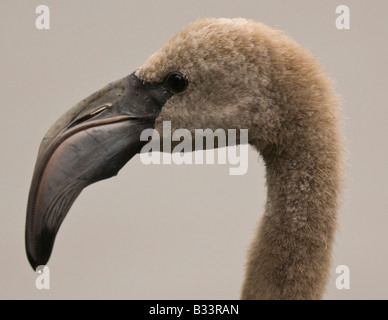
x: 176, y: 82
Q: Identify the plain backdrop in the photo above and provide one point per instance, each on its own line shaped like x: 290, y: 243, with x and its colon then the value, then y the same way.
x: 169, y: 231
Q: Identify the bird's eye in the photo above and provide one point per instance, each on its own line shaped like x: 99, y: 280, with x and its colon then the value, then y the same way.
x: 176, y: 82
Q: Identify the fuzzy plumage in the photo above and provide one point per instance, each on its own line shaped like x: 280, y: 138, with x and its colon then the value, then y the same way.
x: 243, y: 74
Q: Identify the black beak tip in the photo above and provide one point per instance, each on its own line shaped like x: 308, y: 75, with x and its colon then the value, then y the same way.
x: 45, y: 243
x: 34, y: 262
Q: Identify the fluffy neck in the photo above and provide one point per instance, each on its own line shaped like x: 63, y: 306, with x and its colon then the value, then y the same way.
x: 290, y: 257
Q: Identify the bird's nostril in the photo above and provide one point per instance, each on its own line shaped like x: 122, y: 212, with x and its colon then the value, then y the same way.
x: 101, y: 109
x: 90, y: 115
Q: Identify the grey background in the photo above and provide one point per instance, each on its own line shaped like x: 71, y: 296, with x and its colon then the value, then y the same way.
x: 169, y: 231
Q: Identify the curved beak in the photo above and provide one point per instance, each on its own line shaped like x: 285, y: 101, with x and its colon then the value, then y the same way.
x: 89, y: 143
